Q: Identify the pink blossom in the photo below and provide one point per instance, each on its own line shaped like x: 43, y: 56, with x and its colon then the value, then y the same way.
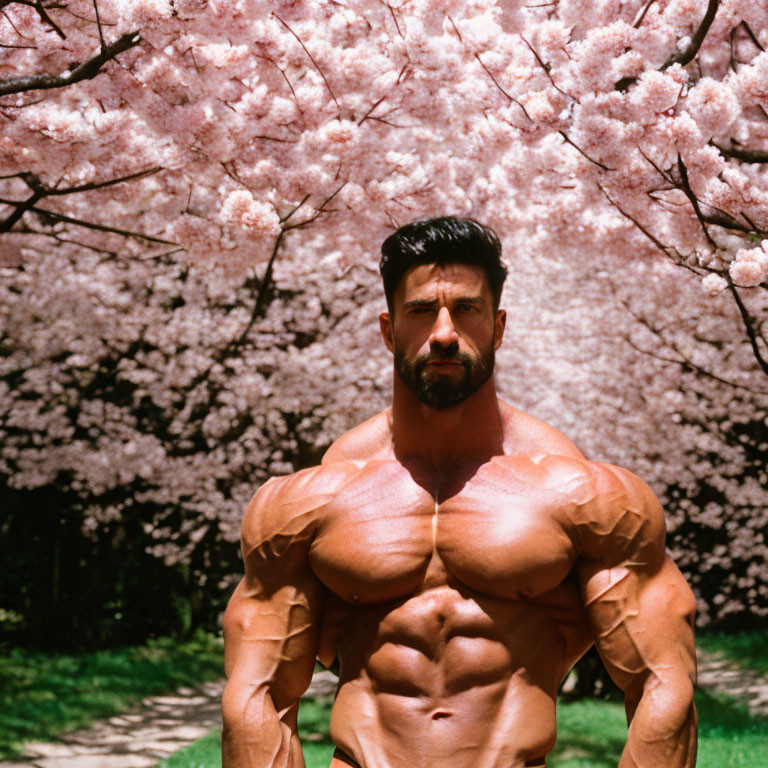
x: 378, y: 119
x: 242, y: 209
x: 714, y: 105
x: 747, y: 273
x: 714, y: 284
x: 750, y: 267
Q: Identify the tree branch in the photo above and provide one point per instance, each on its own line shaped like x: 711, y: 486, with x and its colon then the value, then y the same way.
x: 689, y: 365
x: 311, y: 58
x: 102, y: 184
x: 682, y: 360
x: 726, y: 221
x: 686, y: 56
x: 85, y: 71
x: 81, y: 223
x: 21, y: 208
x: 547, y: 67
x: 496, y: 83
x: 287, y: 80
x: 295, y: 208
x: 40, y: 191
x: 751, y: 35
x: 683, y: 57
x: 742, y: 153
x: 98, y: 24
x: 641, y: 15
x: 663, y: 248
x: 748, y: 321
x: 685, y: 186
x: 582, y: 152
x: 41, y: 12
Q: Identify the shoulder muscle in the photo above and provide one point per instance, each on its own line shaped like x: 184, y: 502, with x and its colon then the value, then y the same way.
x: 617, y: 518
x: 528, y: 435
x: 284, y: 514
x: 370, y: 440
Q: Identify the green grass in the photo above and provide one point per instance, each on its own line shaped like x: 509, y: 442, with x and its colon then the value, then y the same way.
x: 749, y: 649
x: 314, y: 716
x: 203, y: 753
x: 591, y: 734
x: 42, y: 696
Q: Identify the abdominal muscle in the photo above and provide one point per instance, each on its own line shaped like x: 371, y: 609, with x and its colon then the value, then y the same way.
x: 448, y: 678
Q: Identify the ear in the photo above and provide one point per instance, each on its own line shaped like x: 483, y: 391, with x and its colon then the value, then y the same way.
x: 385, y: 324
x: 498, y: 327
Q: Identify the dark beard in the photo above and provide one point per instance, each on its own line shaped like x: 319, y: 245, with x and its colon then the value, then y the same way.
x: 443, y: 392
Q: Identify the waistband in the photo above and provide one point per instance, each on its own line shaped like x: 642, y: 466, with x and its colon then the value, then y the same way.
x: 344, y: 758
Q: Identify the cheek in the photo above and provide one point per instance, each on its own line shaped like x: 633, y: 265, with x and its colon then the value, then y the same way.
x: 412, y: 335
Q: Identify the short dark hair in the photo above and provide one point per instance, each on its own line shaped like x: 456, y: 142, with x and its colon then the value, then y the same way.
x: 444, y: 240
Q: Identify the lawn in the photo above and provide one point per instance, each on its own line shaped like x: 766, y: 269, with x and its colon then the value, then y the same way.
x: 41, y: 695
x: 591, y: 734
x: 749, y: 649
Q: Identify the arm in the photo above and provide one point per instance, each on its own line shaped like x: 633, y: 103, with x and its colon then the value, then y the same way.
x: 271, y: 630
x: 640, y: 611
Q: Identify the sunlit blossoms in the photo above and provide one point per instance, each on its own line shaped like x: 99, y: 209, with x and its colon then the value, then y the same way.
x: 193, y: 194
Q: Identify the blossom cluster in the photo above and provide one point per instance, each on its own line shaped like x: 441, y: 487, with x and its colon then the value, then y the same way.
x: 189, y: 241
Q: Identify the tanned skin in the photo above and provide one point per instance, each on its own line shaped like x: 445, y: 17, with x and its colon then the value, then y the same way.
x: 458, y: 562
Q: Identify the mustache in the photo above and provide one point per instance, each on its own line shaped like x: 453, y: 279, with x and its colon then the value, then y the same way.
x: 447, y: 354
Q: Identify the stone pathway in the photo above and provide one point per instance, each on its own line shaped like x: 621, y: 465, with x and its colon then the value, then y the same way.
x: 162, y: 725
x: 141, y: 737
x: 148, y: 733
x: 720, y: 674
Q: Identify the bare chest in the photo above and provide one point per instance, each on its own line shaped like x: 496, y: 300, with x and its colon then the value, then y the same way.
x: 385, y: 536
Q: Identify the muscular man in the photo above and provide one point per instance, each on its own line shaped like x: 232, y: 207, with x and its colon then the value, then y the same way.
x: 457, y: 556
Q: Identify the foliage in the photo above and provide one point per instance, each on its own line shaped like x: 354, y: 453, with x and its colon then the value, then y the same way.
x: 134, y: 459
x: 191, y: 198
x: 43, y: 695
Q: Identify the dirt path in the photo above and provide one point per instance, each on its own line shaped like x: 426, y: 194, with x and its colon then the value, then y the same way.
x: 159, y: 726
x: 148, y: 733
x: 162, y: 725
x: 720, y: 674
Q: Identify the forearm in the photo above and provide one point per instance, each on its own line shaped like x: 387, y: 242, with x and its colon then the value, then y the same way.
x: 662, y: 731
x: 255, y: 734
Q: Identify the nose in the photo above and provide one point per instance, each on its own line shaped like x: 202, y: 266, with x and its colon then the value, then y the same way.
x: 443, y: 333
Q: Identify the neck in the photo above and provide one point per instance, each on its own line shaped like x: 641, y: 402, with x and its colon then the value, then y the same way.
x: 471, y: 430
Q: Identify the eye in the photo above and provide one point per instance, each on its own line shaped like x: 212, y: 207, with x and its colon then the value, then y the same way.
x: 467, y: 307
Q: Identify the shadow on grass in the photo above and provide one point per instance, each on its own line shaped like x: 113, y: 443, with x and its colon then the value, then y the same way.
x: 748, y: 649
x: 720, y: 715
x: 592, y: 734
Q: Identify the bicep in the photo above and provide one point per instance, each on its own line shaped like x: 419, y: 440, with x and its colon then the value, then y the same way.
x: 272, y: 622
x: 642, y: 622
x: 271, y: 640
x: 639, y: 606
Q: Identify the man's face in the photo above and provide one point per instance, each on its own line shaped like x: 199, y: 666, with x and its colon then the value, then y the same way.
x: 443, y: 332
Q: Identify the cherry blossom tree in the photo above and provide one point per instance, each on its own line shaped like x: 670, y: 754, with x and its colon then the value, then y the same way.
x: 192, y: 198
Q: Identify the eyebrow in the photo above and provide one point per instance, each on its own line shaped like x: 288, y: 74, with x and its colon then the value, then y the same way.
x: 477, y: 300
